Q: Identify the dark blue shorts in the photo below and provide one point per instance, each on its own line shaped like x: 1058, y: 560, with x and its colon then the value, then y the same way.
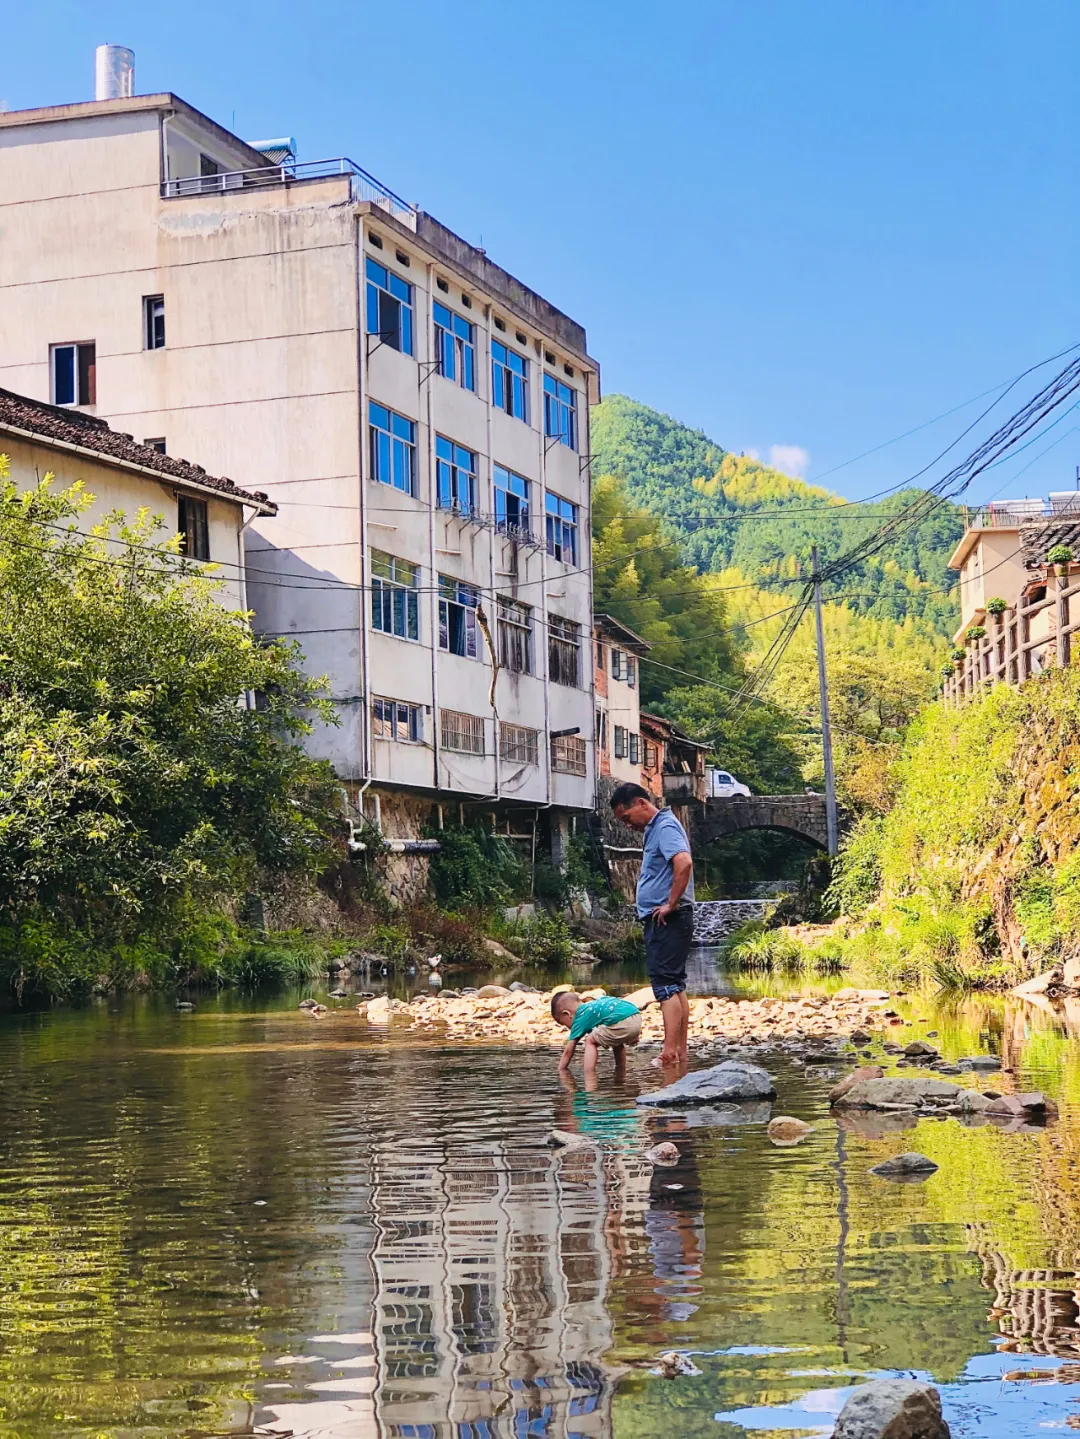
x: 667, y: 948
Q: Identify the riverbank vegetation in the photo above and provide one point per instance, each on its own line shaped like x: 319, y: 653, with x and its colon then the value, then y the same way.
x: 139, y: 792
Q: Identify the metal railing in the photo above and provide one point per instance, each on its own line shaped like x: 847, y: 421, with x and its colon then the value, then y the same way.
x: 1005, y: 514
x: 362, y: 186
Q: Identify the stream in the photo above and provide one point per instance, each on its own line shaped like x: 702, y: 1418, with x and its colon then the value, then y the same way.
x: 243, y: 1220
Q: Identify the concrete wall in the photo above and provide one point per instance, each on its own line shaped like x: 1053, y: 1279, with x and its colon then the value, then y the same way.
x: 266, y: 376
x: 993, y: 566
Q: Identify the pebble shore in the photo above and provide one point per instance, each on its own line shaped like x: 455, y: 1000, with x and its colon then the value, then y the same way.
x: 522, y: 1016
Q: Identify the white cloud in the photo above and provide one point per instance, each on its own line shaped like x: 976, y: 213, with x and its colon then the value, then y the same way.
x: 792, y: 459
x: 752, y: 454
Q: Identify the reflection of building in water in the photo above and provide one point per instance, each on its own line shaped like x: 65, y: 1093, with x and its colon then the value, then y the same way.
x: 1038, y: 1310
x: 491, y: 1280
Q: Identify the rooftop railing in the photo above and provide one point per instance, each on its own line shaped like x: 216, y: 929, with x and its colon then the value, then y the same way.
x: 267, y: 177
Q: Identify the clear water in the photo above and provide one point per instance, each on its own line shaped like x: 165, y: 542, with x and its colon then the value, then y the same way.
x: 243, y: 1219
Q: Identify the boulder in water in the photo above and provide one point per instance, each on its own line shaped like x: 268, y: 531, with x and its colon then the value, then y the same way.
x: 784, y: 1130
x: 849, y: 1081
x: 892, y: 1409
x: 731, y: 1081
x: 905, y: 1166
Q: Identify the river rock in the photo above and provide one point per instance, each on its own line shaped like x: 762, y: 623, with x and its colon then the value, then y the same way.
x: 919, y: 1049
x: 1019, y: 1105
x: 674, y: 1365
x: 849, y: 1081
x: 491, y: 991
x: 903, y: 1165
x: 987, y: 1062
x: 730, y: 1081
x: 664, y: 1153
x: 785, y: 1131
x: 892, y: 1409
x: 900, y: 1094
x: 563, y: 1139
x: 499, y: 951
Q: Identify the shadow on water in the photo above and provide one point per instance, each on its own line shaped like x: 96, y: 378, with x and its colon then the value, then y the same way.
x: 245, y: 1219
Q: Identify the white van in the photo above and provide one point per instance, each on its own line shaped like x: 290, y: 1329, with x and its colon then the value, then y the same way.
x: 722, y: 785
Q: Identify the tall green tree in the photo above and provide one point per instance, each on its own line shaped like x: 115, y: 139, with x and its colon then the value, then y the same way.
x: 136, y: 784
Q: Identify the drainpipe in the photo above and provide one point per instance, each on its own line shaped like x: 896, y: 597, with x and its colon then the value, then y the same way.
x: 249, y: 695
x: 493, y: 540
x: 363, y: 599
x: 433, y: 571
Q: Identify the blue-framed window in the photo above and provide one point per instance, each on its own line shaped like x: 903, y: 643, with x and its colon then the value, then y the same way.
x: 389, y: 307
x: 560, y: 411
x: 393, y: 448
x: 395, y: 604
x: 455, y: 347
x: 509, y: 381
x: 455, y: 472
x: 458, y: 630
x: 396, y: 720
x: 562, y: 529
x: 511, y: 502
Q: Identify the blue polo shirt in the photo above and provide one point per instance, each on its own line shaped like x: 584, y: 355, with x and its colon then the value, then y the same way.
x: 664, y: 839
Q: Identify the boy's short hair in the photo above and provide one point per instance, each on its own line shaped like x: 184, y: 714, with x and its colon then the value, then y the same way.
x: 557, y: 999
x: 627, y: 793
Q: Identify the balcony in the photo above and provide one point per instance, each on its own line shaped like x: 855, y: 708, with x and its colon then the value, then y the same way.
x: 362, y: 186
x: 684, y: 788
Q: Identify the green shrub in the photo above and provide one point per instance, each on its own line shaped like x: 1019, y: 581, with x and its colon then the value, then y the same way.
x: 457, y: 937
x: 1060, y: 555
x: 475, y: 868
x: 545, y: 940
x: 996, y: 606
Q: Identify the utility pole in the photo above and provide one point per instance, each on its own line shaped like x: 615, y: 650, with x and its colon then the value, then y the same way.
x: 826, y: 727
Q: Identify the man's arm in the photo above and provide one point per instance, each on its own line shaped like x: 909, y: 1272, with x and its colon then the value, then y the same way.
x: 567, y: 1055
x: 682, y: 867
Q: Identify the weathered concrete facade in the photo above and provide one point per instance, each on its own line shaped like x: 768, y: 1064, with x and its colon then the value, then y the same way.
x: 403, y: 574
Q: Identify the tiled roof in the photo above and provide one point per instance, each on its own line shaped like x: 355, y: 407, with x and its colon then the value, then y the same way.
x: 52, y: 424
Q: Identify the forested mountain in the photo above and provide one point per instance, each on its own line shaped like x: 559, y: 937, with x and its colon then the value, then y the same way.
x: 729, y: 511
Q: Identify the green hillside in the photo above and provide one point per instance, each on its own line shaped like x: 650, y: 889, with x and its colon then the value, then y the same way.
x: 706, y: 494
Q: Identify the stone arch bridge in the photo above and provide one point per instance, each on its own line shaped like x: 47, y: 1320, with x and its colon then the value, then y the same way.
x: 802, y: 815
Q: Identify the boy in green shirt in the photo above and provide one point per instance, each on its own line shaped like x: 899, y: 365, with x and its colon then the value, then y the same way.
x: 604, y: 1023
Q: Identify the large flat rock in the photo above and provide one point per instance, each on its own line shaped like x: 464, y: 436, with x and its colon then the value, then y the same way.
x: 726, y: 1083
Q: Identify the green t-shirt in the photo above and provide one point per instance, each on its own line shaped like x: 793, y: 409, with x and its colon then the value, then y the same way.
x: 594, y: 1012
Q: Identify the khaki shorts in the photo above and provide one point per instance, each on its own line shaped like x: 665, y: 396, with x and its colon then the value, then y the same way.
x: 623, y: 1031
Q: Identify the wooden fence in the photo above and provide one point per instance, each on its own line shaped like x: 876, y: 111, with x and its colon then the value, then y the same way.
x: 1008, y: 653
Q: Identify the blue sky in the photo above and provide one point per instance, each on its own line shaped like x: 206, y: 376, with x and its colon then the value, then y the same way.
x: 805, y: 224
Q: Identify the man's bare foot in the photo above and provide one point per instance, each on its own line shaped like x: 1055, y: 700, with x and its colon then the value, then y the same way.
x: 662, y: 1060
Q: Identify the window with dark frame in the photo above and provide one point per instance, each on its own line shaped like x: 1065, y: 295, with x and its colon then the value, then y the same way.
x: 515, y: 637
x: 560, y: 411
x: 393, y: 448
x: 192, y: 523
x: 157, y: 443
x: 74, y: 373
x: 620, y: 741
x: 601, y: 728
x: 509, y: 381
x: 634, y: 748
x: 631, y: 671
x: 395, y: 604
x: 397, y: 720
x: 458, y: 630
x: 511, y: 502
x: 649, y: 758
x: 455, y: 347
x: 616, y: 664
x: 154, y: 322
x: 562, y: 528
x: 389, y: 306
x: 455, y: 477
x: 564, y: 650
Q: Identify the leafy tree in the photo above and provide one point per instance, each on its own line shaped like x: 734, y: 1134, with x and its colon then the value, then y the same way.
x: 137, y: 787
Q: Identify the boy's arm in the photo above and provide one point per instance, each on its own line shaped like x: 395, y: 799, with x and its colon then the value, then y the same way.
x: 567, y: 1055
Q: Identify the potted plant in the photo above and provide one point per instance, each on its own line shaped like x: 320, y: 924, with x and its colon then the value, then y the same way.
x: 1060, y: 557
x: 976, y: 632
x: 958, y: 658
x: 946, y: 672
x: 996, y: 607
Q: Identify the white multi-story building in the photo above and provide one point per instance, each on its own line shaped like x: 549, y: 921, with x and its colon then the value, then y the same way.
x: 418, y: 416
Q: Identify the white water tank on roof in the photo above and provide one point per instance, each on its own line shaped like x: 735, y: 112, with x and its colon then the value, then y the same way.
x: 114, y: 72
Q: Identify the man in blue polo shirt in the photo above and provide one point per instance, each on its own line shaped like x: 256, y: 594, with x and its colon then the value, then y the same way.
x: 665, y: 904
